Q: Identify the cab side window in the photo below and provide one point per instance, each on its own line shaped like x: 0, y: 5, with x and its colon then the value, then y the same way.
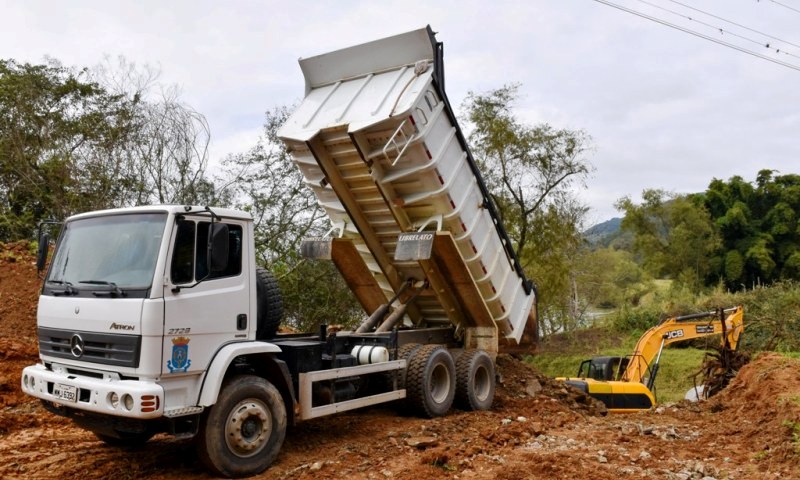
x: 191, y: 250
x: 234, y: 252
x: 183, y: 253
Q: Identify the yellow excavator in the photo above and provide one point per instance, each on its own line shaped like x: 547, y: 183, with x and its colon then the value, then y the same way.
x: 625, y: 384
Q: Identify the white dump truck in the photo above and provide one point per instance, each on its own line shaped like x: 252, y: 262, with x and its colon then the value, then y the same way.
x: 156, y: 319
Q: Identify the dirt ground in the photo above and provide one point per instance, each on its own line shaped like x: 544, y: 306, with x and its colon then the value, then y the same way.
x: 537, y: 428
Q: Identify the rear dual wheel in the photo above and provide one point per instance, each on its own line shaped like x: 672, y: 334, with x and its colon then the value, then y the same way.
x: 430, y: 381
x: 475, y: 380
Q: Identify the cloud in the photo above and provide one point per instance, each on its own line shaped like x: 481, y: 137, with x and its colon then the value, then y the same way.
x: 665, y: 109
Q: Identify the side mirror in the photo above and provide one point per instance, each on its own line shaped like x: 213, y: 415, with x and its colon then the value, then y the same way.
x: 217, y: 247
x: 41, y: 254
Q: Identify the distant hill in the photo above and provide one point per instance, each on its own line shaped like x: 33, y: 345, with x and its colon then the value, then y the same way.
x: 603, y: 233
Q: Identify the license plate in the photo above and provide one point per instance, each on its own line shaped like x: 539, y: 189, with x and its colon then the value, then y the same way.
x: 65, y: 392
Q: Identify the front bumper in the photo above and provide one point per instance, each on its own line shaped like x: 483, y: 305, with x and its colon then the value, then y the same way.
x: 134, y: 398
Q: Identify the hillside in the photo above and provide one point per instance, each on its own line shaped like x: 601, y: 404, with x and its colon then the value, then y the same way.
x: 603, y: 233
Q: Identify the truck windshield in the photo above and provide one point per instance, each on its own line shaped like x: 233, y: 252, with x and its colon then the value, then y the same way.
x: 113, y: 252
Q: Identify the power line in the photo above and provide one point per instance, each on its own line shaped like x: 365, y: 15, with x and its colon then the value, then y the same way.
x: 784, y: 6
x: 736, y: 24
x: 698, y: 34
x: 721, y: 30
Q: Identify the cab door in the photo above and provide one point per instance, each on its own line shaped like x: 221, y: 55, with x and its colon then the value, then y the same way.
x: 203, y: 309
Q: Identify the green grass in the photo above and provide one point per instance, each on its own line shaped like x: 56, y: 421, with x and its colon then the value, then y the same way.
x: 678, y: 365
x: 566, y: 365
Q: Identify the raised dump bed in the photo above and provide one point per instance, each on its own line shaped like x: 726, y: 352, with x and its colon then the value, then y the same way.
x: 376, y: 139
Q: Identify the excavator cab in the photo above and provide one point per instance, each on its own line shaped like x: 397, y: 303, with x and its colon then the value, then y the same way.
x: 603, y: 368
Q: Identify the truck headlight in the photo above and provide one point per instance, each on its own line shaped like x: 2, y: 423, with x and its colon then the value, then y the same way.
x: 113, y: 399
x: 127, y: 401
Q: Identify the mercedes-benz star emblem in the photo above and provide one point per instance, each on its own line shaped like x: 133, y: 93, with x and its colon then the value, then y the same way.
x: 76, y: 345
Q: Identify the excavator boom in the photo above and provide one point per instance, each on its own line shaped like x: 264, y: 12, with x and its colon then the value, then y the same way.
x: 728, y: 322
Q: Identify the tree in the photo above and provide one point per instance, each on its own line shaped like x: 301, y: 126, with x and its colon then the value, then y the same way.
x: 266, y: 183
x: 165, y: 155
x: 50, y: 117
x: 610, y: 278
x: 557, y: 246
x: 531, y: 172
x: 77, y: 140
x: 526, y: 168
x: 759, y: 228
x: 673, y: 235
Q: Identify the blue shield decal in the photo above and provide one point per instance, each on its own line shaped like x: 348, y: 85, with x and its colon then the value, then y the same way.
x: 180, y: 355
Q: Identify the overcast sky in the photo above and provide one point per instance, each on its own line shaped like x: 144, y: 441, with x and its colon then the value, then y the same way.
x: 665, y: 109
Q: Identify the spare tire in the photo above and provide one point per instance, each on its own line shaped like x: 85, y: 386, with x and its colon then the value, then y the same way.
x: 269, y: 305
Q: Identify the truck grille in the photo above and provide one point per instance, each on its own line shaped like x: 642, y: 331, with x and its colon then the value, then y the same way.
x: 102, y: 348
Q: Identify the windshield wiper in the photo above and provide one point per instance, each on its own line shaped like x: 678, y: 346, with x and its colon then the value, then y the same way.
x: 115, y: 290
x: 68, y: 290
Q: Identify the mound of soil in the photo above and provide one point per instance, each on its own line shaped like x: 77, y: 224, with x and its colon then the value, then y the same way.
x: 763, y: 404
x: 518, y: 382
x: 19, y: 291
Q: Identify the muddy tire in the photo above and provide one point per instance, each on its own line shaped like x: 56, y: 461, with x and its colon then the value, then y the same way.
x: 403, y: 353
x: 430, y: 381
x: 243, y: 432
x: 269, y: 305
x: 407, y: 350
x: 125, y: 440
x: 475, y: 380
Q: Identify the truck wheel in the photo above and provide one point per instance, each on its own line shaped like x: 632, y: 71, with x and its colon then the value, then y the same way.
x: 269, y: 305
x: 406, y: 350
x: 404, y: 353
x: 475, y: 380
x: 431, y: 381
x: 125, y: 439
x: 244, y: 430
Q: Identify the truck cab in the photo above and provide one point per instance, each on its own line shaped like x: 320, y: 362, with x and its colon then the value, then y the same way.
x: 132, y: 306
x: 143, y: 314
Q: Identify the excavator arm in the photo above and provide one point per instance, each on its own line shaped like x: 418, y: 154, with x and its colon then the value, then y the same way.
x: 728, y: 322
